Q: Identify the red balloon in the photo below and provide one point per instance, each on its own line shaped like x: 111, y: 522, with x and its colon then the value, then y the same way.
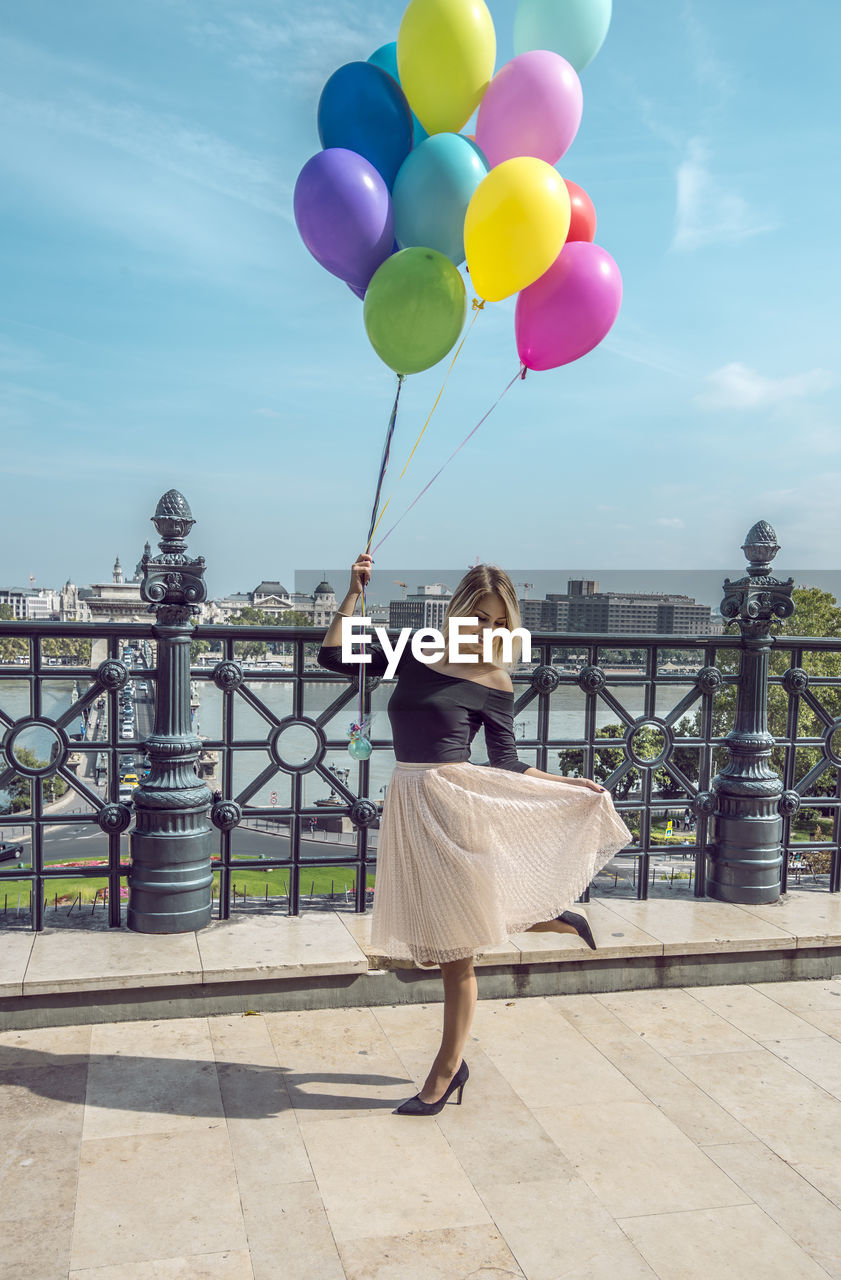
x: 582, y: 223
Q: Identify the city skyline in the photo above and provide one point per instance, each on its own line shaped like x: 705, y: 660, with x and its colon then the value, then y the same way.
x: 704, y: 586
x: 163, y: 326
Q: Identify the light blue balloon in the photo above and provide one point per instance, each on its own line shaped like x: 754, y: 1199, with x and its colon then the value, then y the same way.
x: 386, y: 58
x: 573, y: 28
x: 431, y: 193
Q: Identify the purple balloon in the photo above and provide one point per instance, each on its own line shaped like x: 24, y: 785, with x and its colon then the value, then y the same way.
x: 344, y: 213
x: 568, y: 311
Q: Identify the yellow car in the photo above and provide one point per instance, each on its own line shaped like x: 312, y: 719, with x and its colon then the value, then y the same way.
x: 130, y: 780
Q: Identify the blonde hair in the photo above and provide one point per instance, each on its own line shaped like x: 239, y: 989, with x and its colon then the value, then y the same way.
x: 483, y: 580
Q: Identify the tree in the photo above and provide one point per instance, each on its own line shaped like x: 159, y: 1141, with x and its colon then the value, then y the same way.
x: 19, y: 789
x: 816, y: 613
x: 10, y: 648
x: 251, y: 617
x: 75, y: 651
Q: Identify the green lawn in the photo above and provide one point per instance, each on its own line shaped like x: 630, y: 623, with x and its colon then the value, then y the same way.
x: 253, y: 881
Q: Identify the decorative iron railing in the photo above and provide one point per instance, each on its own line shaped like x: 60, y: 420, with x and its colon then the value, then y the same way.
x: 134, y: 775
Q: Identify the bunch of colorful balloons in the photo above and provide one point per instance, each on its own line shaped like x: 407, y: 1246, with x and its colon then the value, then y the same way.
x: 399, y: 198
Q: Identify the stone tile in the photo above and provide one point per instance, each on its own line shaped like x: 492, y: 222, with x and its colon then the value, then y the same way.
x: 674, y: 1022
x: 64, y: 960
x: 818, y: 1057
x: 239, y: 1038
x: 615, y: 937
x: 455, y: 1253
x: 698, y: 926
x: 794, y: 1117
x: 753, y: 1012
x: 41, y: 1115
x: 44, y: 1047
x: 15, y: 950
x: 183, y: 1183
x: 738, y: 1241
x: 557, y: 1227
x: 388, y: 1175
x: 498, y: 953
x: 549, y: 948
x: 544, y: 1059
x: 151, y: 1077
x: 495, y: 1135
x: 813, y: 918
x: 635, y: 1160
x: 817, y: 1002
x: 129, y: 1096
x: 264, y: 1134
x: 812, y: 1221
x: 37, y: 1255
x: 206, y: 1266
x: 252, y: 947
x: 181, y: 1038
x: 288, y: 1222
x: 683, y: 1102
x: 337, y: 1063
x: 615, y: 934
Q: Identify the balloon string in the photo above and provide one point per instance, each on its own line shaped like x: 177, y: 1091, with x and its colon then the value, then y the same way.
x: 373, y: 522
x: 517, y: 376
x: 477, y: 307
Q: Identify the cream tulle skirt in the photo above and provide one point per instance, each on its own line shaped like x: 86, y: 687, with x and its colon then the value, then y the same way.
x: 469, y: 854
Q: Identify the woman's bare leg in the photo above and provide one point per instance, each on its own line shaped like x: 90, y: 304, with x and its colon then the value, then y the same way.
x: 460, y: 993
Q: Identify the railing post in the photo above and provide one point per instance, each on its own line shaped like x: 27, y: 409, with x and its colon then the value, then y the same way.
x: 170, y: 878
x: 745, y: 857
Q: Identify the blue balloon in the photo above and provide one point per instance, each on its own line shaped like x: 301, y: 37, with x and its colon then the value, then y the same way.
x: 386, y: 57
x: 432, y: 192
x: 363, y: 109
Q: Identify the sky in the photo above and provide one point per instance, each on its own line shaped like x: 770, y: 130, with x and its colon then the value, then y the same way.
x: 162, y: 324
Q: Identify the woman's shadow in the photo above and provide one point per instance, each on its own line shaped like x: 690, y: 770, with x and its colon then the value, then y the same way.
x: 190, y: 1086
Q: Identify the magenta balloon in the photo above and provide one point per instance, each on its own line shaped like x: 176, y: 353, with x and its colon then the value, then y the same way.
x: 344, y: 213
x: 532, y: 107
x: 568, y: 311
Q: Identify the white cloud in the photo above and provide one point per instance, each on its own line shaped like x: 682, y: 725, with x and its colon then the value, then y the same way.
x: 736, y: 386
x: 267, y: 413
x: 707, y: 212
x: 671, y: 522
x: 302, y: 46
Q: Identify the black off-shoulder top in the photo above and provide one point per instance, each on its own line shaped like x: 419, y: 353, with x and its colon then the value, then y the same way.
x: 434, y: 717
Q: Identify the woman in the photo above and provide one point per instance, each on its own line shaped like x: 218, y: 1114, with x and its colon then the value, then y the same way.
x: 468, y: 854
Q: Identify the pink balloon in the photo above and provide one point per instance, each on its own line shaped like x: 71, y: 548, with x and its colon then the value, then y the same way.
x: 532, y: 107
x: 568, y: 311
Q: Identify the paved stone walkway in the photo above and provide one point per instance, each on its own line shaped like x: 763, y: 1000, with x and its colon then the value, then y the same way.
x: 690, y: 1134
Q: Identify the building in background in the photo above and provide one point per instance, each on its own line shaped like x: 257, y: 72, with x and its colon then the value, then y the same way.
x: 423, y: 608
x: 117, y: 600
x: 586, y: 610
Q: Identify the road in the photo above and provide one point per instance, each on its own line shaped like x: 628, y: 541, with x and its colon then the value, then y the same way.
x: 72, y: 843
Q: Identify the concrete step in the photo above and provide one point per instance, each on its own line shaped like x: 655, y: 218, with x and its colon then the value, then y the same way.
x: 324, y: 959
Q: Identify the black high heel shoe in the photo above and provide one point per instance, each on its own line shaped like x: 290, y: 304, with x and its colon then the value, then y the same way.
x: 580, y: 926
x: 416, y: 1107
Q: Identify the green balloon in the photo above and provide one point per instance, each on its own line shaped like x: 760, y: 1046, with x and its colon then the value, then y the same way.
x: 414, y: 309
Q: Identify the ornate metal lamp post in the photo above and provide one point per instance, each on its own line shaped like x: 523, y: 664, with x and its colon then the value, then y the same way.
x: 746, y: 856
x: 170, y: 877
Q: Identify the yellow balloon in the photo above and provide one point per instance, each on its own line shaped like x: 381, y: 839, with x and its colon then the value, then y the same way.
x: 446, y: 51
x: 515, y: 226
